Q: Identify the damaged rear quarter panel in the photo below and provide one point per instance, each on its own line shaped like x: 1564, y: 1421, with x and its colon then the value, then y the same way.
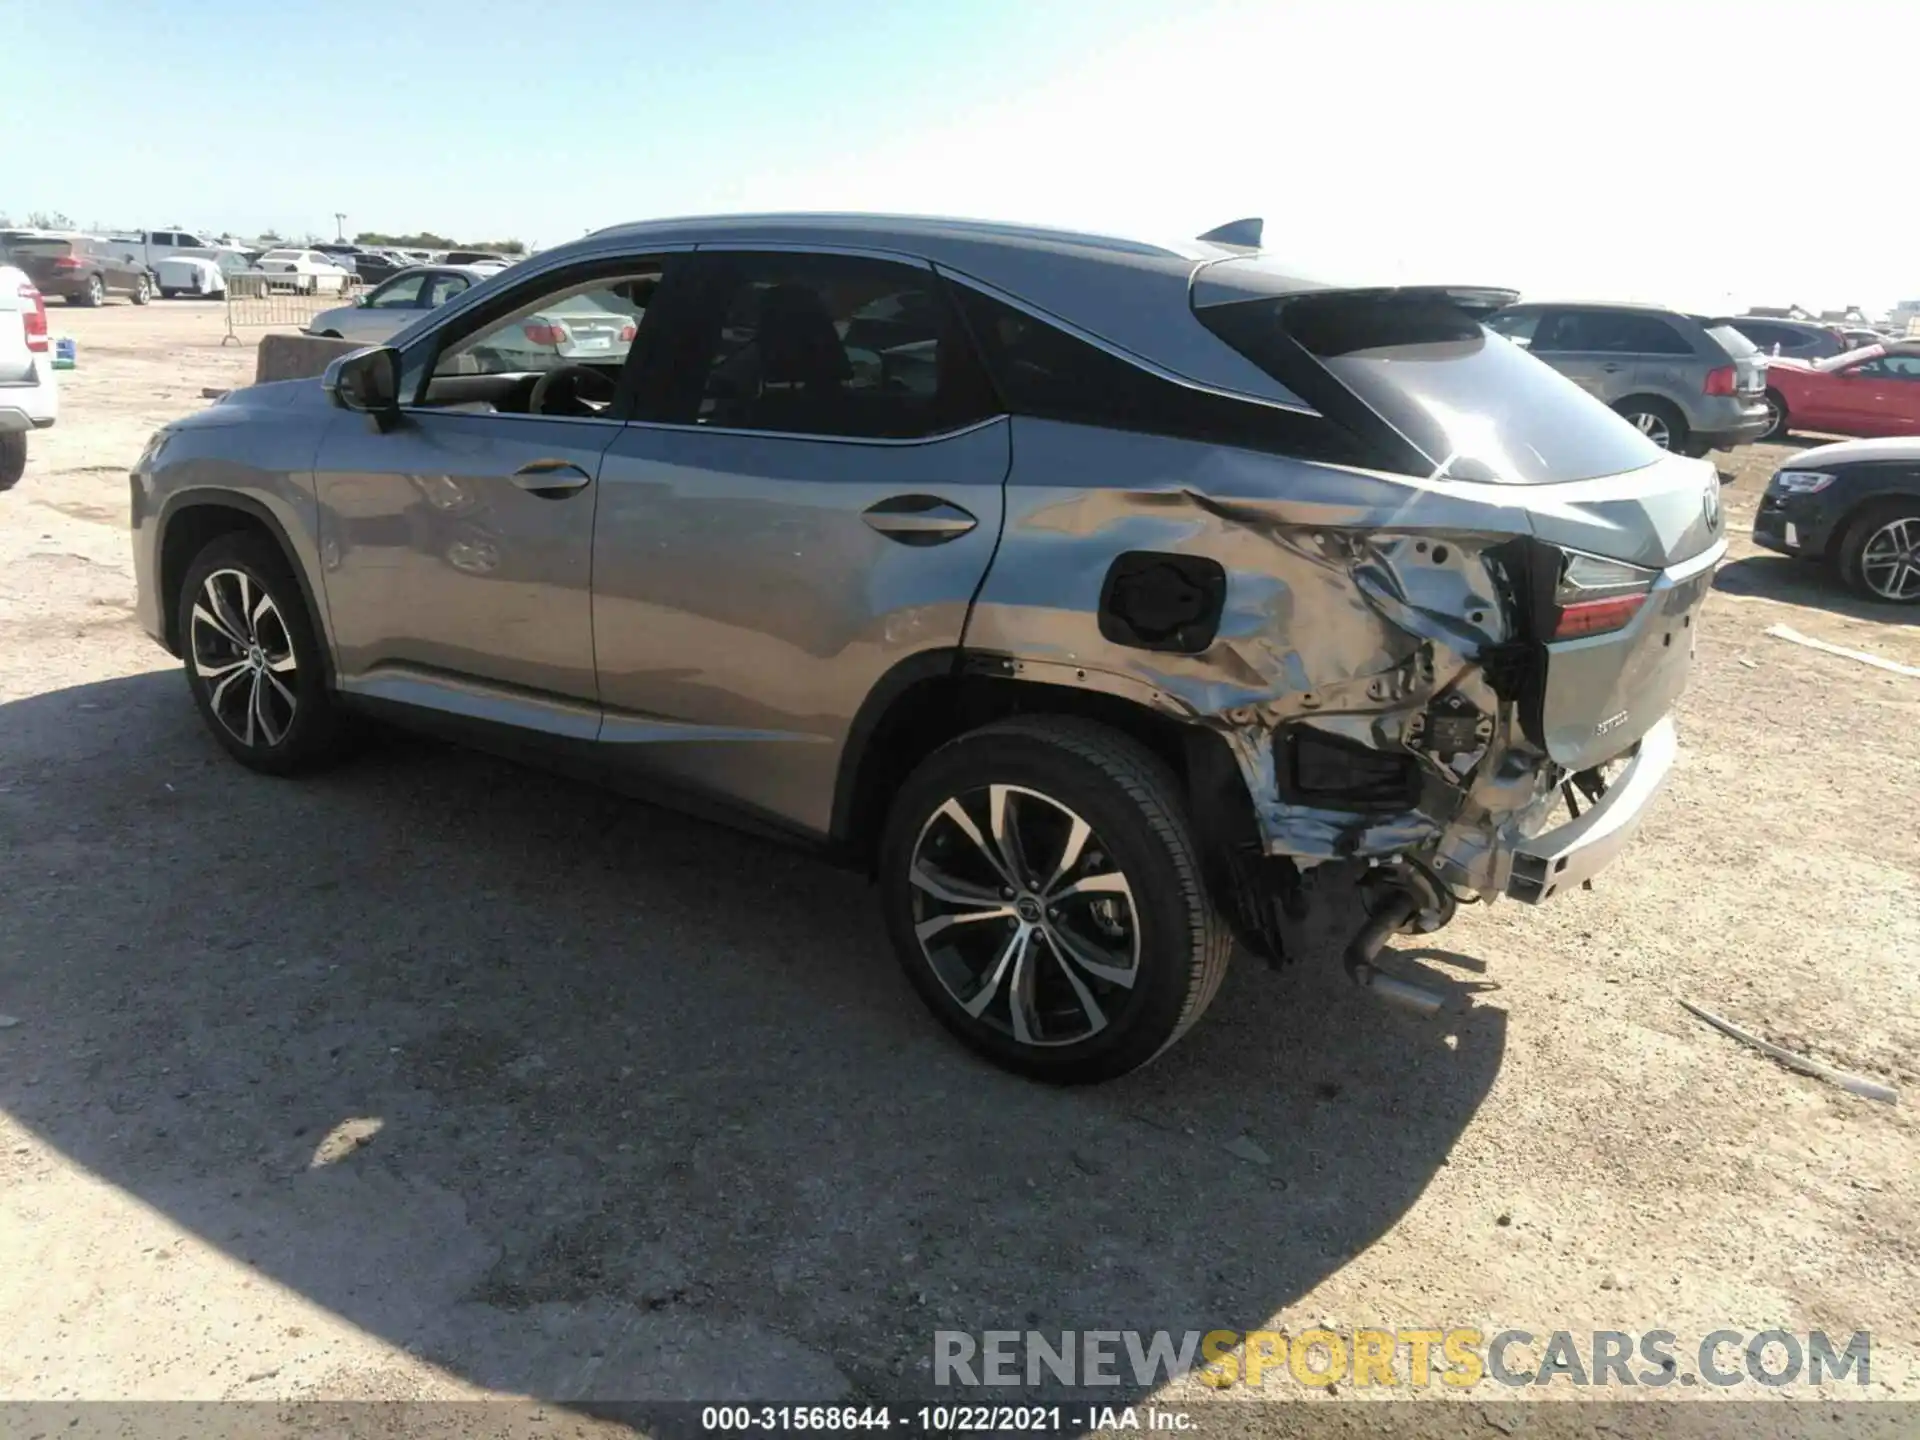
x: 1352, y: 599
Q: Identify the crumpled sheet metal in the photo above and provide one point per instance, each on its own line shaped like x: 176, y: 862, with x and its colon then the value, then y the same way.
x: 1350, y: 614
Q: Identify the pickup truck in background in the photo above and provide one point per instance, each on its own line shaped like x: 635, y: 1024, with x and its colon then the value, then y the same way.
x: 149, y: 247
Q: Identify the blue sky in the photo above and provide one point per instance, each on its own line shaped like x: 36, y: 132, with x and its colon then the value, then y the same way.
x: 1536, y: 144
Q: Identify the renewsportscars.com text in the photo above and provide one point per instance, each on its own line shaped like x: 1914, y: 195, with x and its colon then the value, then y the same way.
x: 1398, y: 1359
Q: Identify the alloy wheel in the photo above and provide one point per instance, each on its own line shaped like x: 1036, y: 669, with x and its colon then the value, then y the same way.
x: 1890, y: 560
x: 1654, y: 428
x: 1023, y: 915
x: 1774, y: 416
x: 243, y: 653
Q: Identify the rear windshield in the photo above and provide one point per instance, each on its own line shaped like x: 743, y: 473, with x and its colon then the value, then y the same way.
x: 1472, y: 403
x: 1731, y: 340
x: 41, y: 247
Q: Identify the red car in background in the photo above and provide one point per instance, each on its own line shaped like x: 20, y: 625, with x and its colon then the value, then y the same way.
x: 1871, y: 391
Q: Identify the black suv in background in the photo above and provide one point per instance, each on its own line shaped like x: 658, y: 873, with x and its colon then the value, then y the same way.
x: 1800, y: 339
x: 80, y: 269
x: 1686, y: 382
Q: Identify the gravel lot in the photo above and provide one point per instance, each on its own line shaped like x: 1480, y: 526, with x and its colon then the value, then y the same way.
x: 435, y: 1076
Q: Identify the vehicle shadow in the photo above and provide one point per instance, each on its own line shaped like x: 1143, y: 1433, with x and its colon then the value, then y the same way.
x: 1805, y: 582
x: 577, y: 1098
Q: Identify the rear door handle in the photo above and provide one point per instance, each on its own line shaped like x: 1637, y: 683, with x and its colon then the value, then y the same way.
x: 1613, y: 369
x: 551, y: 479
x: 919, y: 519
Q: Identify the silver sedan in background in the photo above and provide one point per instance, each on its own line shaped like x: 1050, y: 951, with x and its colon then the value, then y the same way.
x: 396, y: 303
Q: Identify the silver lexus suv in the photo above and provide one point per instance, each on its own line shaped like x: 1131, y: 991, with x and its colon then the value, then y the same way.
x: 1112, y: 603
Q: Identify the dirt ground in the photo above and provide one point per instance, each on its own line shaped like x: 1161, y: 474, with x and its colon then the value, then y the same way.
x: 438, y: 1077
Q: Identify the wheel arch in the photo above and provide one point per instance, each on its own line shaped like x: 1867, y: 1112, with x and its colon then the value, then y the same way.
x: 1858, y: 507
x: 936, y: 696
x: 1645, y: 398
x: 193, y: 519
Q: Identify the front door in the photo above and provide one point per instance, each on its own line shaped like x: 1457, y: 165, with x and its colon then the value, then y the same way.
x: 457, y: 544
x: 810, y: 495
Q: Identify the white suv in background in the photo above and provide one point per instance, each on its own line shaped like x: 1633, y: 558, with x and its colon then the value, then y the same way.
x: 28, y: 399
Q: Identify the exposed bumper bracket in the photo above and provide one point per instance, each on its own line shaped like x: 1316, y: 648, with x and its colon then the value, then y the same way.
x: 1572, y: 853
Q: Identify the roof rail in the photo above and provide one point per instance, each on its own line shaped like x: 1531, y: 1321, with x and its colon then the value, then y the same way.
x: 1242, y: 233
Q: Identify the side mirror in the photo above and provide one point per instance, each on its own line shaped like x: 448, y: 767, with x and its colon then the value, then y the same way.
x: 367, y: 381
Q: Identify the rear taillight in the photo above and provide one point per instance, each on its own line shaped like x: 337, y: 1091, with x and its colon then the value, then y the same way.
x: 628, y: 331
x: 1721, y: 381
x: 69, y: 262
x: 1597, y: 596
x: 541, y: 333
x: 33, y: 313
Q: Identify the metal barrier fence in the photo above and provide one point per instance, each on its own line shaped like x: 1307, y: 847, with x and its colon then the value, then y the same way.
x: 267, y: 299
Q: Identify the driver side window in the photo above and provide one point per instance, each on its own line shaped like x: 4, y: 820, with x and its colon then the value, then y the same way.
x: 564, y: 343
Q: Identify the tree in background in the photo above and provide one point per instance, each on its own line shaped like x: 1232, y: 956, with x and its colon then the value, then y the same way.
x: 272, y: 236
x: 43, y: 220
x: 427, y: 240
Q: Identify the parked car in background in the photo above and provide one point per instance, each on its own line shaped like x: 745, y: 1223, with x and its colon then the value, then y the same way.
x: 384, y: 312
x: 1856, y: 506
x: 81, y: 269
x: 309, y: 271
x: 1799, y: 339
x: 1015, y: 565
x: 150, y: 247
x: 474, y: 257
x: 1871, y: 391
x: 1686, y: 382
x: 198, y: 276
x: 29, y: 397
x: 373, y: 266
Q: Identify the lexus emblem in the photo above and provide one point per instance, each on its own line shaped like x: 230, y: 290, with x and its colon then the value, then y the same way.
x: 1710, y: 505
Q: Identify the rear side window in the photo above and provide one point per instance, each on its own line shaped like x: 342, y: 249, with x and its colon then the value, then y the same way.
x: 1609, y: 332
x: 832, y: 345
x: 1043, y: 371
x: 1466, y: 401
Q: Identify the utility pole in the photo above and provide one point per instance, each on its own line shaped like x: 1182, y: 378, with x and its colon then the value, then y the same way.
x: 339, y: 225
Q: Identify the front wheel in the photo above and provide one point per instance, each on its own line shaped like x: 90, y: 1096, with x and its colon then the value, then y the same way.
x: 253, y: 658
x: 1880, y: 554
x: 1043, y: 892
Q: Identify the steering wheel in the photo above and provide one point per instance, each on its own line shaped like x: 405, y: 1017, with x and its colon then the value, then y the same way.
x: 583, y: 387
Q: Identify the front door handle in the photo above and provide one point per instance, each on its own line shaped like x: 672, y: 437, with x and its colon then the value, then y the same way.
x: 919, y: 519
x: 1613, y: 369
x: 551, y: 479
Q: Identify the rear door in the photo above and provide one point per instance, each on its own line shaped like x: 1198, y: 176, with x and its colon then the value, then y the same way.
x: 810, y: 495
x: 1590, y: 348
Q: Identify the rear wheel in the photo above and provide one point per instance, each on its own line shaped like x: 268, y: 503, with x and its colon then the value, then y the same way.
x: 253, y: 658
x: 1657, y: 420
x: 13, y: 459
x: 93, y: 295
x: 1776, y: 417
x: 1043, y: 892
x: 143, y: 292
x: 1880, y: 556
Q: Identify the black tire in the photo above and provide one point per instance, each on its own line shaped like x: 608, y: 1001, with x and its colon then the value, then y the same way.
x: 1864, y: 527
x: 1137, y: 818
x: 1651, y: 415
x: 13, y: 458
x: 314, y: 729
x: 96, y: 293
x: 1777, y: 405
x: 143, y: 291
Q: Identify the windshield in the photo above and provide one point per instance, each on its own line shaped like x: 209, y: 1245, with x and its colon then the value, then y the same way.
x: 1475, y: 405
x: 40, y: 247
